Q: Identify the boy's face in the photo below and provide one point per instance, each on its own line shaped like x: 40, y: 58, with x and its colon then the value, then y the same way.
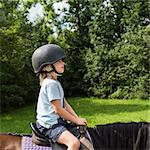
x: 59, y: 66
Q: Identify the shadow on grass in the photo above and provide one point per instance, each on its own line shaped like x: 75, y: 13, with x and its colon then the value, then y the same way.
x: 92, y: 108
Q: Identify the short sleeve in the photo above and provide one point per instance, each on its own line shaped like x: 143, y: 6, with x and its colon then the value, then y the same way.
x: 52, y: 91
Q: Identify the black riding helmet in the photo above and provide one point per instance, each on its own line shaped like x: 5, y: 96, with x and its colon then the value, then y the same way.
x: 46, y: 54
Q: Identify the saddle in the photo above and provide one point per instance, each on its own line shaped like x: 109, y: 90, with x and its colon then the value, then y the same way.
x: 40, y: 139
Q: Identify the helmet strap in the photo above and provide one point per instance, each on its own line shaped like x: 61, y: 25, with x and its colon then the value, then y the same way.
x: 55, y: 70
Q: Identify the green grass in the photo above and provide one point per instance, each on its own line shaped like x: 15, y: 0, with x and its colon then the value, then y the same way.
x: 95, y: 110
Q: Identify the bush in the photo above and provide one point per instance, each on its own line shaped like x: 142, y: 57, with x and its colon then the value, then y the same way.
x: 123, y: 71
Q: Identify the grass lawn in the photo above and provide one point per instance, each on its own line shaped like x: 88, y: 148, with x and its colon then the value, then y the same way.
x: 97, y: 111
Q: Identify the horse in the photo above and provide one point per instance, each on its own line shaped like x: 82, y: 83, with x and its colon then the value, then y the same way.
x: 114, y: 136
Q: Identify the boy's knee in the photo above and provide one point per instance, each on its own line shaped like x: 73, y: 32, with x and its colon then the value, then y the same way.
x: 75, y: 144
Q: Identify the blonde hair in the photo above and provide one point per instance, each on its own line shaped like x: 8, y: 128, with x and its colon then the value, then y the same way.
x: 46, y: 71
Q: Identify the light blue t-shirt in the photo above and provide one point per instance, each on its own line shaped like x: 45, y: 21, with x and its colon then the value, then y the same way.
x: 50, y: 90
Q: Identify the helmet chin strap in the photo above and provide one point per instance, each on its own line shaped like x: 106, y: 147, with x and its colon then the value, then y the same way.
x: 55, y: 70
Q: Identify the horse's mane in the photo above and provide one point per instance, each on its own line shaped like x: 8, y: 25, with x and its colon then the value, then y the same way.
x: 14, y: 134
x: 131, y: 135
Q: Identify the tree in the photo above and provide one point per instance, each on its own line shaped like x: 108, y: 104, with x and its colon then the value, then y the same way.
x: 130, y: 65
x: 111, y: 22
x: 16, y: 80
x: 75, y: 41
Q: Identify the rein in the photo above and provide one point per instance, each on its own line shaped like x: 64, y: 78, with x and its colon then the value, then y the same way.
x: 138, y: 137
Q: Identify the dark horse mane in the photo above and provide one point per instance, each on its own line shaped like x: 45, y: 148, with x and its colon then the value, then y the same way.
x: 11, y: 133
x: 14, y: 134
x: 121, y: 136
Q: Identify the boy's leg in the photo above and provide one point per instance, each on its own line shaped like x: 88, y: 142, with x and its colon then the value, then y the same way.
x: 69, y: 140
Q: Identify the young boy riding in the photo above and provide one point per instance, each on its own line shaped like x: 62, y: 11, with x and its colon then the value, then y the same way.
x: 53, y: 111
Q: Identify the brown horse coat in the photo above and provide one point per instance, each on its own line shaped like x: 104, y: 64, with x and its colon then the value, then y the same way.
x: 10, y: 142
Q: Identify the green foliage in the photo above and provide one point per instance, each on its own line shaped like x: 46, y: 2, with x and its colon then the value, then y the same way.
x: 12, y: 94
x: 75, y: 41
x: 117, y: 66
x: 130, y: 61
x: 122, y: 72
x: 17, y: 81
x: 106, y: 45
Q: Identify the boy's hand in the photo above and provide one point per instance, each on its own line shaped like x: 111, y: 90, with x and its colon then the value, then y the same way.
x: 81, y: 121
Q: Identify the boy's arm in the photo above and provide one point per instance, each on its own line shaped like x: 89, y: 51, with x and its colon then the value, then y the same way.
x: 67, y: 115
x: 69, y: 108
